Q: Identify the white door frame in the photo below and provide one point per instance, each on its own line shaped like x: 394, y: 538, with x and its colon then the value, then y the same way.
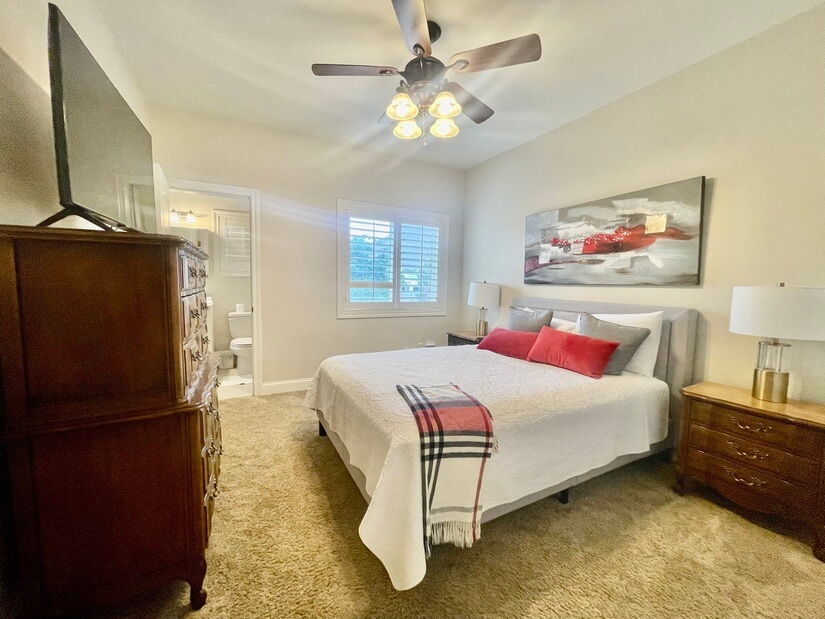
x: 254, y: 197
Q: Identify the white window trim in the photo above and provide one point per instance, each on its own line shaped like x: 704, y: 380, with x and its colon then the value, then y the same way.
x: 346, y: 309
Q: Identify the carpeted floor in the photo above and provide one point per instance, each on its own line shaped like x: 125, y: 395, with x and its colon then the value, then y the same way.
x: 285, y: 544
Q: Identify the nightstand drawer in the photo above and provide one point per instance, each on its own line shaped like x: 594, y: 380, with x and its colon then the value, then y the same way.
x: 791, y: 468
x: 782, y: 435
x: 749, y: 487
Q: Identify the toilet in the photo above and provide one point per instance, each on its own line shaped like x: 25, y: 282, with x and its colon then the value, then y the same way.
x: 240, y: 328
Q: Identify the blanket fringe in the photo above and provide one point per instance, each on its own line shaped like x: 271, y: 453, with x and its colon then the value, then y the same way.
x: 458, y: 533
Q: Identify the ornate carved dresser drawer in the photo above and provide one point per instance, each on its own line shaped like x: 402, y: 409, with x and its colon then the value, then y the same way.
x: 109, y: 422
x: 761, y: 455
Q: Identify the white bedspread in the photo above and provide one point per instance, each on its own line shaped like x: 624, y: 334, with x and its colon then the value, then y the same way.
x: 551, y: 425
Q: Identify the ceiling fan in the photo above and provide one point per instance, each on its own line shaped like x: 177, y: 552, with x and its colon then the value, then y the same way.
x: 425, y: 97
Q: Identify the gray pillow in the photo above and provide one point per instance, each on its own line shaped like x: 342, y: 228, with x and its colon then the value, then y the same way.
x: 524, y: 319
x: 629, y: 339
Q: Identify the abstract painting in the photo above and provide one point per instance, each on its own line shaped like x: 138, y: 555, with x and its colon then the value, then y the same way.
x: 651, y: 237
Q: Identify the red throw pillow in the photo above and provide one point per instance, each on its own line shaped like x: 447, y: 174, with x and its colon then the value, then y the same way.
x: 579, y: 353
x: 510, y: 343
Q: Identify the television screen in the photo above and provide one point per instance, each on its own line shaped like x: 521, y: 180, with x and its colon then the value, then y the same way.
x: 104, y: 153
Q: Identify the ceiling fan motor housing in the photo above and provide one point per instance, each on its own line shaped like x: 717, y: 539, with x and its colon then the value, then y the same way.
x: 424, y: 77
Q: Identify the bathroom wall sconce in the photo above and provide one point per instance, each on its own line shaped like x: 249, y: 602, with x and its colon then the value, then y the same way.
x: 175, y: 217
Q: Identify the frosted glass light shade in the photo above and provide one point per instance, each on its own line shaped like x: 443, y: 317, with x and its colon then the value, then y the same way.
x: 407, y: 130
x: 444, y: 128
x: 402, y: 107
x: 445, y: 106
x: 778, y: 312
x: 483, y: 294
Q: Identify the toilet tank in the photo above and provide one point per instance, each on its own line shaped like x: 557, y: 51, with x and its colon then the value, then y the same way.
x: 240, y: 324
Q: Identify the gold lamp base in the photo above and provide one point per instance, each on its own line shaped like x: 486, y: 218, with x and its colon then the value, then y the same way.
x: 770, y: 386
x: 481, y: 328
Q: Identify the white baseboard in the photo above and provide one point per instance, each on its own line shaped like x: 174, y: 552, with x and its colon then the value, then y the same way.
x: 284, y: 386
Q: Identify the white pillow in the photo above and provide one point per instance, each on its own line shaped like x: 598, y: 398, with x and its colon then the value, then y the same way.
x: 560, y: 324
x: 643, y: 360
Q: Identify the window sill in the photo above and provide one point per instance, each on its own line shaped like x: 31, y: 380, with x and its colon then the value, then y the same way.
x: 392, y: 314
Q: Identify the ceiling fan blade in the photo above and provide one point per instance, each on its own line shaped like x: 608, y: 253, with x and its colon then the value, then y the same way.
x: 353, y: 69
x: 504, y: 54
x: 413, y: 21
x: 471, y: 106
x: 385, y: 120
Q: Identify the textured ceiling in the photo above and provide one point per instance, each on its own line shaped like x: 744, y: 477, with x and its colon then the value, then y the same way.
x: 250, y: 60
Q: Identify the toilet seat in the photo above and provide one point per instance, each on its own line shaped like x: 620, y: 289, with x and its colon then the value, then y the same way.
x: 241, y: 342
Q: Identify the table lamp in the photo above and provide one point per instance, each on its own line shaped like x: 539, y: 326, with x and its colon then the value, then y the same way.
x: 483, y: 296
x: 776, y: 313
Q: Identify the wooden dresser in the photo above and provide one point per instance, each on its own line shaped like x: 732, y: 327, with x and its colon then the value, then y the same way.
x: 761, y: 455
x: 108, y: 416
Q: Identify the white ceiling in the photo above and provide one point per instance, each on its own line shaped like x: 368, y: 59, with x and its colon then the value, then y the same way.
x: 250, y: 60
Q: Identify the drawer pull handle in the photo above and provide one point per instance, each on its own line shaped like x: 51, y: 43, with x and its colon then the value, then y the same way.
x: 195, y: 313
x: 753, y: 482
x: 202, y: 273
x: 197, y: 356
x: 758, y: 427
x: 206, y: 340
x: 756, y: 455
x: 212, y: 493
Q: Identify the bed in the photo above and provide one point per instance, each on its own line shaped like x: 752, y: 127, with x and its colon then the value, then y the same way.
x: 555, y: 428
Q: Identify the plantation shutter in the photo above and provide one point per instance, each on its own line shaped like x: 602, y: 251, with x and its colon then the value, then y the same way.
x: 391, y: 261
x: 418, y: 281
x: 234, y: 242
x: 371, y: 260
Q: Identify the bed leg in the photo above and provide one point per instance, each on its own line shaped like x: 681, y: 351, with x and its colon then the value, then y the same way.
x: 321, y: 430
x: 564, y: 496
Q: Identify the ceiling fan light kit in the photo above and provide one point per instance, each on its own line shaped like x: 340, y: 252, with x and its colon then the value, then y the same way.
x: 444, y: 128
x: 424, y: 87
x: 445, y: 106
x: 407, y: 130
x: 402, y: 107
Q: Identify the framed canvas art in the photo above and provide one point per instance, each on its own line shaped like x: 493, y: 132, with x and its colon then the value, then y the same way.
x: 651, y: 237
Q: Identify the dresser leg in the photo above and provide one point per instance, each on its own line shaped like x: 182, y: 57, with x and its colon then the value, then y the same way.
x: 197, y: 594
x: 679, y: 486
x: 321, y: 430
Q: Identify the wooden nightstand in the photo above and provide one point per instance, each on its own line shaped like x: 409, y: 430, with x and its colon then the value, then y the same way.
x: 761, y: 455
x: 462, y: 338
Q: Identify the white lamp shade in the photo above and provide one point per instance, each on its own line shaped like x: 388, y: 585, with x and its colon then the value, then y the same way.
x: 483, y: 294
x: 778, y: 312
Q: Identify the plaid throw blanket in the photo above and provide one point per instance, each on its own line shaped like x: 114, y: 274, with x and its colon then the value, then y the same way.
x: 456, y: 433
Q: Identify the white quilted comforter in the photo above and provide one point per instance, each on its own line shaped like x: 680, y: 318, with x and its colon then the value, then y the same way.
x: 551, y: 425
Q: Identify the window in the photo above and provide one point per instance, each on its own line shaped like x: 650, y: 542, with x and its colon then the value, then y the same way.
x: 234, y: 243
x: 391, y: 261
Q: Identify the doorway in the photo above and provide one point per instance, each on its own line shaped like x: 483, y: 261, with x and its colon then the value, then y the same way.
x: 222, y: 221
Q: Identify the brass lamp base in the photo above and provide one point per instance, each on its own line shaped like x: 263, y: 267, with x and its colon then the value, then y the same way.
x: 481, y: 328
x: 770, y: 386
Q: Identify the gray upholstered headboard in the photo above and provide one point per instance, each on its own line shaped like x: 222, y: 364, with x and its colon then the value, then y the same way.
x: 674, y: 364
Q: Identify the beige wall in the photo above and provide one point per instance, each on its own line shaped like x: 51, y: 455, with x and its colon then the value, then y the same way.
x: 300, y: 180
x: 751, y: 119
x: 28, y: 175
x: 23, y: 28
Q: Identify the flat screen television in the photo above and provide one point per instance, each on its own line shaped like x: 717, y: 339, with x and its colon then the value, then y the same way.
x: 104, y: 153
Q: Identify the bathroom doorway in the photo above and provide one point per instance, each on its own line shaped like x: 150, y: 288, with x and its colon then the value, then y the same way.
x: 222, y: 221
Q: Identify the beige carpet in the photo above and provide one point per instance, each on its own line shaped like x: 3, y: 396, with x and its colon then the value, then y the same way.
x: 285, y: 544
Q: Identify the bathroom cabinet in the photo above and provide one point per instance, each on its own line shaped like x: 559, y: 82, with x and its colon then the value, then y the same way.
x: 109, y: 423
